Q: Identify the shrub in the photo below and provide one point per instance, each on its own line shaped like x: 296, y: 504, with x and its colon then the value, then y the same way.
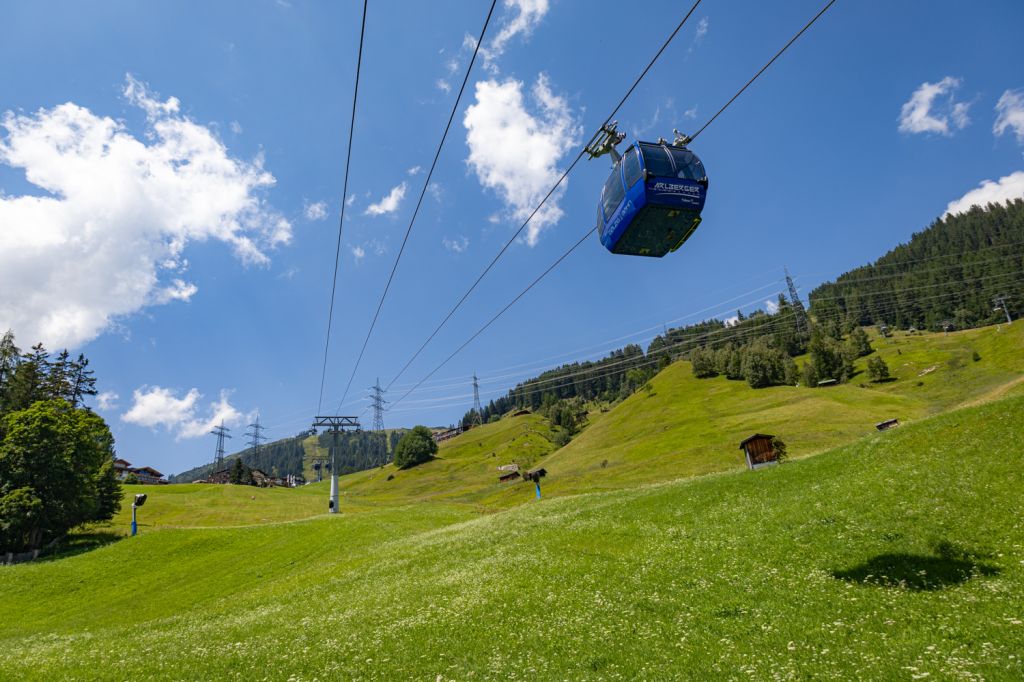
x: 975, y: 356
x: 779, y: 446
x: 415, y: 447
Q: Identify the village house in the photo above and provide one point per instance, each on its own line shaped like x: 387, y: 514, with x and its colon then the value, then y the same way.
x: 146, y: 475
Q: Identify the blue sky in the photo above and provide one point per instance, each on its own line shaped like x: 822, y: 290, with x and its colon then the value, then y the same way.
x: 170, y: 182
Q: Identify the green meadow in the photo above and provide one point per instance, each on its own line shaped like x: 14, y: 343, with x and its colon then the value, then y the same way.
x: 653, y: 555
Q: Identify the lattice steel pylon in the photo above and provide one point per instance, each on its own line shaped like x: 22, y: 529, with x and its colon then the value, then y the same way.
x: 478, y: 411
x: 256, y: 437
x: 377, y: 403
x: 221, y: 432
x: 794, y: 298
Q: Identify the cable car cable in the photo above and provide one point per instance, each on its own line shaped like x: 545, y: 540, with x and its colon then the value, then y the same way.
x: 589, y: 231
x: 764, y: 68
x: 498, y: 314
x: 344, y: 196
x: 419, y: 202
x: 543, y: 201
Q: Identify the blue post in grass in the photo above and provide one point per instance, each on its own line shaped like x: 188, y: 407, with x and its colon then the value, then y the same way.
x: 140, y: 500
x: 537, y: 483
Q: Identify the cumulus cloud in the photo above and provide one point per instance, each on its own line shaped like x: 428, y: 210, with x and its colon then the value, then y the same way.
x: 457, y: 245
x: 1010, y: 114
x: 1006, y: 188
x: 528, y: 14
x: 107, y: 400
x: 516, y: 153
x: 116, y: 212
x: 771, y: 306
x: 732, y: 321
x: 235, y: 127
x: 155, y: 406
x: 932, y: 108
x: 358, y: 253
x: 390, y: 203
x: 415, y: 170
x: 443, y: 85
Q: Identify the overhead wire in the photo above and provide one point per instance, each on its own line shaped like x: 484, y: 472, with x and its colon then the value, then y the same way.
x: 601, y: 371
x: 419, y: 201
x: 344, y: 197
x: 543, y: 201
x: 593, y: 229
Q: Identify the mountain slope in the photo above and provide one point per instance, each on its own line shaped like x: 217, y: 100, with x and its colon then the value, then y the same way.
x: 901, y: 554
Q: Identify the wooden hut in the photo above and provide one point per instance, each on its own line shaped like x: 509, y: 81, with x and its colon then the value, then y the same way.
x: 759, y: 451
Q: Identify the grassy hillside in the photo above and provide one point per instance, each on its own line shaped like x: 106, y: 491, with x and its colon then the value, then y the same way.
x: 688, y: 426
x: 896, y: 556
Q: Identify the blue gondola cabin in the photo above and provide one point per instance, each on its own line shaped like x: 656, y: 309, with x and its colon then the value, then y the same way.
x: 651, y: 202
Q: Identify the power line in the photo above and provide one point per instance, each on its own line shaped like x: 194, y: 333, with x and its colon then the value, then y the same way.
x: 561, y: 179
x: 419, y: 202
x: 589, y: 231
x: 764, y: 68
x: 498, y: 314
x: 344, y: 202
x: 677, y: 342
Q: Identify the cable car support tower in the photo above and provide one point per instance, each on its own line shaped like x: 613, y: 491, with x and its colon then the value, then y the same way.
x: 335, y: 424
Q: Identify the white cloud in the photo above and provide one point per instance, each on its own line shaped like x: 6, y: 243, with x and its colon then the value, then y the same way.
x: 515, y: 152
x: 1010, y: 114
x: 931, y: 107
x: 107, y: 400
x: 351, y: 200
x: 771, y: 306
x: 698, y: 38
x: 691, y: 112
x: 443, y: 85
x: 179, y: 290
x: 235, y: 127
x: 702, y: 28
x: 436, y: 191
x: 154, y: 406
x: 457, y: 245
x: 315, y: 211
x: 529, y: 14
x: 732, y: 321
x: 1006, y: 188
x: 415, y: 170
x: 358, y: 252
x: 390, y: 203
x: 116, y: 212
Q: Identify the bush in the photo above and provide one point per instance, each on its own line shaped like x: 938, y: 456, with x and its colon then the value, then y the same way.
x: 975, y: 356
x: 562, y: 438
x: 131, y: 479
x: 415, y: 447
x: 779, y: 446
x: 877, y: 369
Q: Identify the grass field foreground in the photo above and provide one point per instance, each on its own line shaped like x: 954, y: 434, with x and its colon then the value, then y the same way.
x: 898, y: 556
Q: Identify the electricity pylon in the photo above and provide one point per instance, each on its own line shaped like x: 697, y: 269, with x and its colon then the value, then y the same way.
x: 221, y: 432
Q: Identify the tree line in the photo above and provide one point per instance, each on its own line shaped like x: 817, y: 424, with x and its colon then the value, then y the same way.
x: 56, y: 454
x: 948, y: 273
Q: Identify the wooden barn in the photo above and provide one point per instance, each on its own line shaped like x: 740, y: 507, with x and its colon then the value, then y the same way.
x: 759, y: 451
